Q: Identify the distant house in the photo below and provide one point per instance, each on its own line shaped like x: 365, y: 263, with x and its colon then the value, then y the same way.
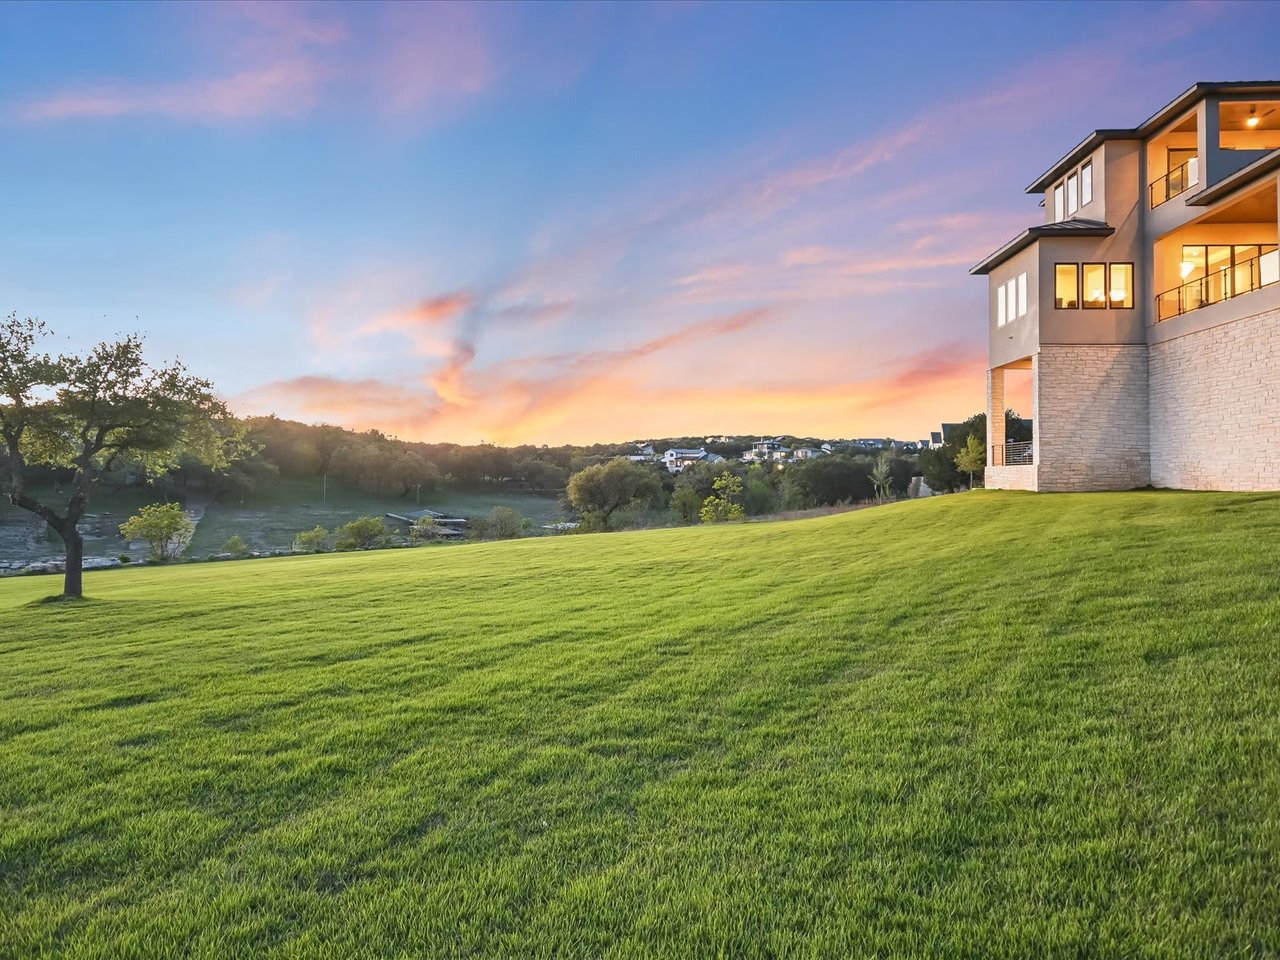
x: 806, y: 453
x: 762, y: 449
x: 450, y: 527
x: 677, y: 458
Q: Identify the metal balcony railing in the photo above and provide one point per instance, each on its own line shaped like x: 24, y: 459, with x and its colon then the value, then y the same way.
x: 1016, y: 454
x: 1244, y: 276
x: 1176, y: 181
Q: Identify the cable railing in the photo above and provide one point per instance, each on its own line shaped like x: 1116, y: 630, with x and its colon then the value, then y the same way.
x: 1178, y: 180
x: 1244, y: 276
x: 1015, y: 454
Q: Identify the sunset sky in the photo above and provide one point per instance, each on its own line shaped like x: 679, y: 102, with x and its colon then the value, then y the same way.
x: 563, y: 223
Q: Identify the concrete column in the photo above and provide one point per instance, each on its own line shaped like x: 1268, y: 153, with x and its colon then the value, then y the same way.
x: 995, y: 412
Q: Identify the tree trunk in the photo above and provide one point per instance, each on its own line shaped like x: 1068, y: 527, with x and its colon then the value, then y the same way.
x: 73, y: 582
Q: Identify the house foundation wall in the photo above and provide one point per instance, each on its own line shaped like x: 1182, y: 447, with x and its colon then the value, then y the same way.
x: 1092, y: 417
x: 1019, y: 477
x: 1215, y: 407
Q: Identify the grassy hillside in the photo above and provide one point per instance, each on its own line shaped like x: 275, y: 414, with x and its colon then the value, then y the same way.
x: 991, y: 725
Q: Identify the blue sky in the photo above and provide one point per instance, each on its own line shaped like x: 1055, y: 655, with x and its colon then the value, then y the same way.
x: 558, y: 222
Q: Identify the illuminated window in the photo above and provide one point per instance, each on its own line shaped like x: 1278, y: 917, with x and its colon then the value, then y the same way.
x: 1086, y: 183
x: 1059, y: 210
x: 1022, y: 295
x: 1073, y: 194
x: 1002, y: 317
x: 1095, y: 286
x: 1121, y: 285
x: 1011, y: 295
x: 1066, y: 286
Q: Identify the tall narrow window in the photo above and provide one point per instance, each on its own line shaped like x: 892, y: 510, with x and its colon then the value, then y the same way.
x: 1011, y: 295
x: 1059, y: 201
x: 1073, y: 194
x: 1022, y: 295
x: 1002, y: 316
x: 1066, y: 286
x: 1086, y: 184
x: 1095, y: 286
x: 1120, y: 286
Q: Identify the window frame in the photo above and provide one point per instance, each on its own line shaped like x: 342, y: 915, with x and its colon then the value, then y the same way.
x: 1022, y: 294
x: 1002, y: 312
x: 1073, y: 193
x: 1106, y: 293
x: 1060, y: 202
x: 1087, y: 165
x: 1133, y: 286
x: 1076, y: 268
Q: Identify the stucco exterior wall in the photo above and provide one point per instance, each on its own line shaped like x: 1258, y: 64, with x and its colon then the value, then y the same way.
x: 1215, y: 407
x: 1092, y: 417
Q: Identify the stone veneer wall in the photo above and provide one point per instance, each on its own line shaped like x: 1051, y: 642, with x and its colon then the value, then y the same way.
x: 1019, y: 477
x: 1092, y: 417
x: 1215, y: 407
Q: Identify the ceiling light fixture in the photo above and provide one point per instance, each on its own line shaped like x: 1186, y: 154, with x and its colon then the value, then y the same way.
x: 1253, y: 117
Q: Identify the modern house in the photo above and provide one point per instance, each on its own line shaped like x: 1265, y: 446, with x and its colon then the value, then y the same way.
x: 1146, y: 308
x: 677, y: 458
x: 764, y: 449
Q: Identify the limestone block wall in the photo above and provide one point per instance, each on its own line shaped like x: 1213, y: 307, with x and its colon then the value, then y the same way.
x: 1092, y: 417
x: 1019, y: 477
x: 1215, y: 407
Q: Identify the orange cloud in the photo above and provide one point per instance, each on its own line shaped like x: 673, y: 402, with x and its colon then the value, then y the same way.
x: 427, y: 314
x: 602, y: 401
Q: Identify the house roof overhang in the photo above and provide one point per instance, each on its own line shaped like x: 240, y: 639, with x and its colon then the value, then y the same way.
x: 1170, y: 111
x: 1244, y: 177
x: 1067, y: 228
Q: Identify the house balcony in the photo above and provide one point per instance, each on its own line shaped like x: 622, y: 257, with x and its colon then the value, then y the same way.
x: 1174, y: 183
x: 1020, y: 454
x: 1235, y: 277
x: 1228, y: 252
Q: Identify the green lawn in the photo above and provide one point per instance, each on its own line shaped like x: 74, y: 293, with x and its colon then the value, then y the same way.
x: 986, y: 725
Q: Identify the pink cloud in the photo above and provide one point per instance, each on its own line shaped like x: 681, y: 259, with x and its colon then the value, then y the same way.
x: 428, y: 314
x: 435, y: 54
x: 289, y: 87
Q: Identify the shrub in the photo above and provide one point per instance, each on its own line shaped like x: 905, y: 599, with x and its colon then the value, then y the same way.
x: 504, y: 524
x: 360, y: 534
x: 236, y: 546
x: 315, y: 540
x: 685, y: 503
x: 426, y: 530
x: 164, y: 527
x: 724, y: 505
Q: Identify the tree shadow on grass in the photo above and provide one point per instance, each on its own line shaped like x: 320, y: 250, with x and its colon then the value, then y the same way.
x: 60, y: 600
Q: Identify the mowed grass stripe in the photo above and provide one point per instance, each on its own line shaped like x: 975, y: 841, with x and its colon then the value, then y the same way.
x: 993, y: 724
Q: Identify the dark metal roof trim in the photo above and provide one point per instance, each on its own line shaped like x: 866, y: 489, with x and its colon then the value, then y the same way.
x: 1067, y: 228
x: 1244, y: 177
x: 1193, y: 95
